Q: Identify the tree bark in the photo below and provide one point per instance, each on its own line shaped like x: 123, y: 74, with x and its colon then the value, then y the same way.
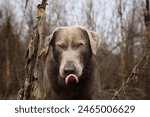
x: 35, y: 52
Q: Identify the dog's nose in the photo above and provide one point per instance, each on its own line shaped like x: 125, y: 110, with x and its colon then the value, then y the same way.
x: 69, y: 69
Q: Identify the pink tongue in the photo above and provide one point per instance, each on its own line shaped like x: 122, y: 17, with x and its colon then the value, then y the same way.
x: 71, y: 78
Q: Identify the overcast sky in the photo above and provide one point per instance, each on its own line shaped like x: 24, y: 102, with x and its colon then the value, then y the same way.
x: 107, y: 12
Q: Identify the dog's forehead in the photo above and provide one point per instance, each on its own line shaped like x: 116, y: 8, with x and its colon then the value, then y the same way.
x: 70, y: 33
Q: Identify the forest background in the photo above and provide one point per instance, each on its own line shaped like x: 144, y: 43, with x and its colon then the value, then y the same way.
x: 120, y: 24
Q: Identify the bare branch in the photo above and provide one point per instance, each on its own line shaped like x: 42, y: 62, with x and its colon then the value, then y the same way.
x: 26, y: 4
x: 133, y: 74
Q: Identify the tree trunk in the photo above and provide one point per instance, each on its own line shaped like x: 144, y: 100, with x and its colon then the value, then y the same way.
x: 123, y: 44
x: 35, y: 53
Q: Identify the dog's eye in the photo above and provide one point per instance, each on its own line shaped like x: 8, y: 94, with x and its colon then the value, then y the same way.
x: 80, y: 44
x: 61, y: 46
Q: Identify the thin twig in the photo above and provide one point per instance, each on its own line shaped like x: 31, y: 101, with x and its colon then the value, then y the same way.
x: 133, y: 74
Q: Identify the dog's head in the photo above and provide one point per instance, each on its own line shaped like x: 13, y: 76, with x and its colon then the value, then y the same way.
x: 71, y: 47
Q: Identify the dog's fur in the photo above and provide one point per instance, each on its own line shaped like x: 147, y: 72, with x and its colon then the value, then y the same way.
x: 71, y: 46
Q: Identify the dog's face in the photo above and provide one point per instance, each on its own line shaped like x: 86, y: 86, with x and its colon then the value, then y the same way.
x: 71, y: 47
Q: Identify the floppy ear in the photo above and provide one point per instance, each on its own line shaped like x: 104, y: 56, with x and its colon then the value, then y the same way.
x: 48, y: 40
x: 94, y: 41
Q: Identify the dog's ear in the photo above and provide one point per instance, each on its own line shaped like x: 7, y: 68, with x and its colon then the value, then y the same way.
x: 94, y: 41
x: 48, y: 40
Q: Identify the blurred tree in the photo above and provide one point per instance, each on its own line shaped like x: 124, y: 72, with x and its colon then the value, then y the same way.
x: 12, y: 56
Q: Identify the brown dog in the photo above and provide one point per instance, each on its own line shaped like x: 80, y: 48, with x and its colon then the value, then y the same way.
x: 70, y: 69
